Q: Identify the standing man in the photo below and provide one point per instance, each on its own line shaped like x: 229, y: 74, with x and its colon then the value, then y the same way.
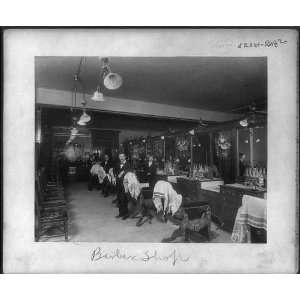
x: 150, y: 171
x: 242, y: 164
x: 121, y: 169
x: 106, y: 165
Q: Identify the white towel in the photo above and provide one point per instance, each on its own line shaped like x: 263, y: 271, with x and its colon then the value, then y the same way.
x: 101, y: 174
x: 253, y: 212
x: 165, y: 198
x: 111, y: 176
x: 99, y: 171
x: 132, y: 185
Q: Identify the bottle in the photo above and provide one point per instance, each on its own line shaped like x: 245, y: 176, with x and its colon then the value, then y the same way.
x: 260, y: 178
x: 194, y: 171
x: 201, y: 171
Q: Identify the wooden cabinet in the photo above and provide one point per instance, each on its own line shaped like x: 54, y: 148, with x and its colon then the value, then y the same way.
x: 239, y: 190
x: 231, y: 197
x: 224, y: 204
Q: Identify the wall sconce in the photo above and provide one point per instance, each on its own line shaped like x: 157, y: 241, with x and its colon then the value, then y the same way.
x: 257, y: 140
x: 246, y: 141
x: 162, y: 137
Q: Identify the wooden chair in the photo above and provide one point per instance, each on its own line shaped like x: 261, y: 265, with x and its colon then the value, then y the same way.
x: 48, y: 186
x: 51, y: 212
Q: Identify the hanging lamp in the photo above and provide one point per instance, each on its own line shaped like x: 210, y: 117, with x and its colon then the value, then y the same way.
x: 244, y: 123
x: 98, y: 96
x: 110, y: 80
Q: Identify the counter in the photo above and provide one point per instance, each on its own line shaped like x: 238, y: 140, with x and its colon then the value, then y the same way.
x: 224, y: 200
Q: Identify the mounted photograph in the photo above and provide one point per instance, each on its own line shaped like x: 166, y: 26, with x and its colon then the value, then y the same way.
x: 151, y: 149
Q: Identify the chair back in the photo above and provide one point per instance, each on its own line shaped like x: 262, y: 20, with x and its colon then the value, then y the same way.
x: 39, y: 191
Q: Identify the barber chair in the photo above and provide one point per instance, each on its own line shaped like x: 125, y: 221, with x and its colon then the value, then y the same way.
x: 194, y: 220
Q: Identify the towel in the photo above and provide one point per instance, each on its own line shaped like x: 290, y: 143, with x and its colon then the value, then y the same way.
x: 253, y: 212
x: 111, y: 176
x: 132, y: 185
x: 101, y: 174
x: 165, y: 198
x: 95, y: 169
x: 98, y: 171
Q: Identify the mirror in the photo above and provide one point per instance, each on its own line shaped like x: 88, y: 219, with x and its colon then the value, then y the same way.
x: 244, y: 144
x: 260, y: 147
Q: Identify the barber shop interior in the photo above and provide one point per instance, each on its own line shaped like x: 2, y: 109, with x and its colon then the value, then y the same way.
x: 151, y: 149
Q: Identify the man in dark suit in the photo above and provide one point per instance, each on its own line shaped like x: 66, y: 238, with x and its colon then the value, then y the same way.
x: 106, y: 165
x: 121, y: 169
x: 150, y: 171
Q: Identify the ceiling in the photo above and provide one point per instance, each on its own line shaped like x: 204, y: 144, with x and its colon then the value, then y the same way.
x: 212, y: 83
x: 63, y: 117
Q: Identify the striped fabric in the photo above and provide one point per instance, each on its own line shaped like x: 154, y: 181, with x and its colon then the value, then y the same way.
x: 253, y: 212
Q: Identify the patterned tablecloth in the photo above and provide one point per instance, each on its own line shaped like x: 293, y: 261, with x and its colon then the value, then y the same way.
x: 253, y: 212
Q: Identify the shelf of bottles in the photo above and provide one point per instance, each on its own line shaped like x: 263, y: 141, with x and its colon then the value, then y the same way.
x: 255, y: 177
x: 201, y: 172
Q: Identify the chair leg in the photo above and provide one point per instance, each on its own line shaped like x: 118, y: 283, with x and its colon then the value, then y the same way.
x: 38, y: 235
x: 66, y: 229
x: 187, y: 235
x: 208, y: 232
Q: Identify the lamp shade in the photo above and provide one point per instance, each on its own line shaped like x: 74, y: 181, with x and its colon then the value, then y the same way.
x: 85, y: 118
x: 81, y: 123
x: 112, y: 81
x: 244, y: 123
x: 98, y: 96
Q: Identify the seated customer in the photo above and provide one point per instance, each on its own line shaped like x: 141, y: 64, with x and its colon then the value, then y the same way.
x: 93, y: 176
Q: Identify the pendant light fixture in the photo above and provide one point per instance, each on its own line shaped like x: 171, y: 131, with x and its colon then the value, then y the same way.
x: 111, y: 81
x: 244, y: 123
x: 98, y: 96
x: 108, y: 79
x: 84, y: 118
x: 81, y: 123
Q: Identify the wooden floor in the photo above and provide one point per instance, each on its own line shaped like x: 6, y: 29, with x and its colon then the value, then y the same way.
x: 92, y: 219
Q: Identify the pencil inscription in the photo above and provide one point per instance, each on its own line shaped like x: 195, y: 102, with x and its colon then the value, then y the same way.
x: 147, y: 256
